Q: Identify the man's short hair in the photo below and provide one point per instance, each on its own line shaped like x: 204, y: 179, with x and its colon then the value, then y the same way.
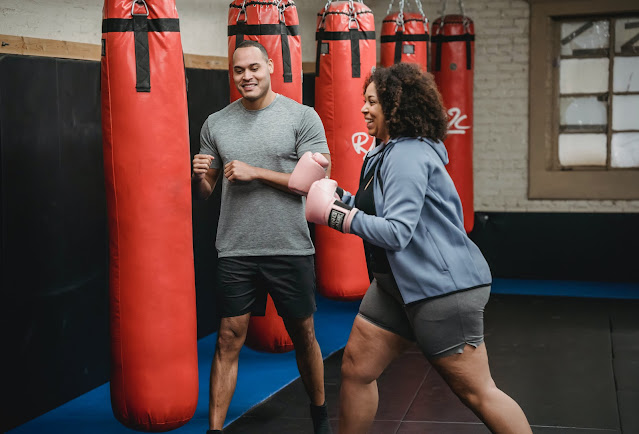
x: 250, y: 43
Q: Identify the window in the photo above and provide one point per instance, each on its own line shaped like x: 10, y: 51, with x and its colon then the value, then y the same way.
x: 584, y: 100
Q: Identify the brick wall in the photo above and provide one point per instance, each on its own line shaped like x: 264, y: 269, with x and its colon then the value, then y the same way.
x: 501, y: 107
x: 501, y: 77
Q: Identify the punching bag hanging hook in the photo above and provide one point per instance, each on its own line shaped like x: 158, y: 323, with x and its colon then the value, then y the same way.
x: 418, y: 3
x: 421, y: 12
x: 390, y: 7
x: 461, y: 7
x: 464, y: 17
x: 400, y: 16
x: 281, y: 8
x: 143, y: 3
x: 326, y: 6
x: 352, y: 17
x: 443, y: 13
x: 241, y: 12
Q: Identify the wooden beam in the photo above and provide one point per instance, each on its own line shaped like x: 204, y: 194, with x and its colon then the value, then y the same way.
x: 48, y: 48
x: 205, y: 62
x: 308, y: 67
x: 27, y: 46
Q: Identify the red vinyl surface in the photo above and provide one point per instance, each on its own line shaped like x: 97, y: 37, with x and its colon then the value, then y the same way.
x: 414, y: 24
x: 266, y: 12
x: 340, y: 260
x: 154, y: 372
x: 455, y: 82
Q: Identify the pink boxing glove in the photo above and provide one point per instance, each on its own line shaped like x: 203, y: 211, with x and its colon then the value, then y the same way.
x: 322, y: 207
x: 309, y: 168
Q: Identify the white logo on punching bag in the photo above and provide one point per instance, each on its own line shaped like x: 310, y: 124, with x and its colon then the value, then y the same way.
x: 456, y: 118
x: 359, y: 141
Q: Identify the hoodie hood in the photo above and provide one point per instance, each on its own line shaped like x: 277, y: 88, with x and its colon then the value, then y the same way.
x: 439, y: 148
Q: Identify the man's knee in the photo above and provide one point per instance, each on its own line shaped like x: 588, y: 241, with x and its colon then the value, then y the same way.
x: 302, y: 333
x: 230, y: 339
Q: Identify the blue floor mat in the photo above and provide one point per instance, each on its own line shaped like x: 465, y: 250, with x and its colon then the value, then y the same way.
x: 260, y: 376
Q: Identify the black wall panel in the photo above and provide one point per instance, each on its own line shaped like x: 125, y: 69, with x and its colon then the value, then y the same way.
x: 308, y: 90
x: 560, y: 246
x: 208, y: 92
x: 54, y: 242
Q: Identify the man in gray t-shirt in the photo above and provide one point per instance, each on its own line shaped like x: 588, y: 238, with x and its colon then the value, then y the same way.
x: 263, y: 242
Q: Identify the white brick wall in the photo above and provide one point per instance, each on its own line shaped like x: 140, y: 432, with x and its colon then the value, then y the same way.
x: 501, y: 107
x: 500, y: 92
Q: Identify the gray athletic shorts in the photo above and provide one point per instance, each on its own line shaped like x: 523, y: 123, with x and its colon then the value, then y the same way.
x: 441, y: 326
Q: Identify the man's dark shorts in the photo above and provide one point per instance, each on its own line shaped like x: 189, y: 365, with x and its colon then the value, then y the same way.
x: 243, y: 283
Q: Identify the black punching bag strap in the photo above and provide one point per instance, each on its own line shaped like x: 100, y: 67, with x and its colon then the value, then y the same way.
x: 141, y: 25
x: 141, y: 32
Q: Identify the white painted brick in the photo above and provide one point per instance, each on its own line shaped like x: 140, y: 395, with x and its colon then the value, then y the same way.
x: 500, y: 89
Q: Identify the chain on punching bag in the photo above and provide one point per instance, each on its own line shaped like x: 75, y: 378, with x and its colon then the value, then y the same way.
x: 405, y: 36
x: 154, y: 371
x: 453, y: 46
x: 346, y: 54
x: 275, y: 25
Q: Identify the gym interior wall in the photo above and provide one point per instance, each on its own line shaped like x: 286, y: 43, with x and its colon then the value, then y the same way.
x: 54, y: 241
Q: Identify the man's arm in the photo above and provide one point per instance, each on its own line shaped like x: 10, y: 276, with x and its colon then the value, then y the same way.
x: 239, y: 171
x: 204, y: 178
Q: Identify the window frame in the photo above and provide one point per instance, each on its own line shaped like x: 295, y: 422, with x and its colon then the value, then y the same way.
x: 545, y: 178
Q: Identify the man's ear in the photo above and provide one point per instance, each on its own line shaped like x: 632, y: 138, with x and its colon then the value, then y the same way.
x: 270, y: 66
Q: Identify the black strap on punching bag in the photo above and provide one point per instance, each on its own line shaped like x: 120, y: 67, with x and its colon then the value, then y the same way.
x: 286, y: 54
x: 239, y: 37
x: 399, y: 45
x: 398, y: 38
x: 142, y: 65
x: 356, y: 62
x: 141, y: 25
x: 438, y: 40
x: 354, y: 35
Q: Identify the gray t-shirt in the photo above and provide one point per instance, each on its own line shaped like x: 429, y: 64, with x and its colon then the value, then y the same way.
x: 257, y: 219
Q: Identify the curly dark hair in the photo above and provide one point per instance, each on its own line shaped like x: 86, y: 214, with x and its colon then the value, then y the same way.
x: 411, y: 103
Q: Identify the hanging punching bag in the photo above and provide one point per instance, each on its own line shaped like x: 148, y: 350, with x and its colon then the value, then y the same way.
x: 275, y: 25
x: 405, y: 38
x: 453, y: 52
x: 154, y: 371
x: 346, y: 54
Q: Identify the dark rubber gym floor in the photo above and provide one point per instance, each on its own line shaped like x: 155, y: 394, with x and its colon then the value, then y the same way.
x: 571, y: 363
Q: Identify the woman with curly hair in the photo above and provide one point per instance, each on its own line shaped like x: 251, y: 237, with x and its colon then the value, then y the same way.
x: 430, y: 281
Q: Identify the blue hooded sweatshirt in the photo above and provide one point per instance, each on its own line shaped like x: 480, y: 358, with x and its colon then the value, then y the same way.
x: 419, y: 221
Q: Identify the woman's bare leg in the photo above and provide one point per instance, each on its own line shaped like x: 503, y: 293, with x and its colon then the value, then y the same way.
x: 468, y: 375
x: 369, y: 350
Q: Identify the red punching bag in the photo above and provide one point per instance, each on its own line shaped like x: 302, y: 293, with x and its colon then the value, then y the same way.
x: 405, y: 37
x: 275, y: 25
x: 154, y: 370
x: 453, y: 49
x: 346, y: 54
x: 267, y: 333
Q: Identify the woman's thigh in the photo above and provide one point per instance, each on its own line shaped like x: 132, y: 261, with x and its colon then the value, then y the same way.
x: 370, y: 349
